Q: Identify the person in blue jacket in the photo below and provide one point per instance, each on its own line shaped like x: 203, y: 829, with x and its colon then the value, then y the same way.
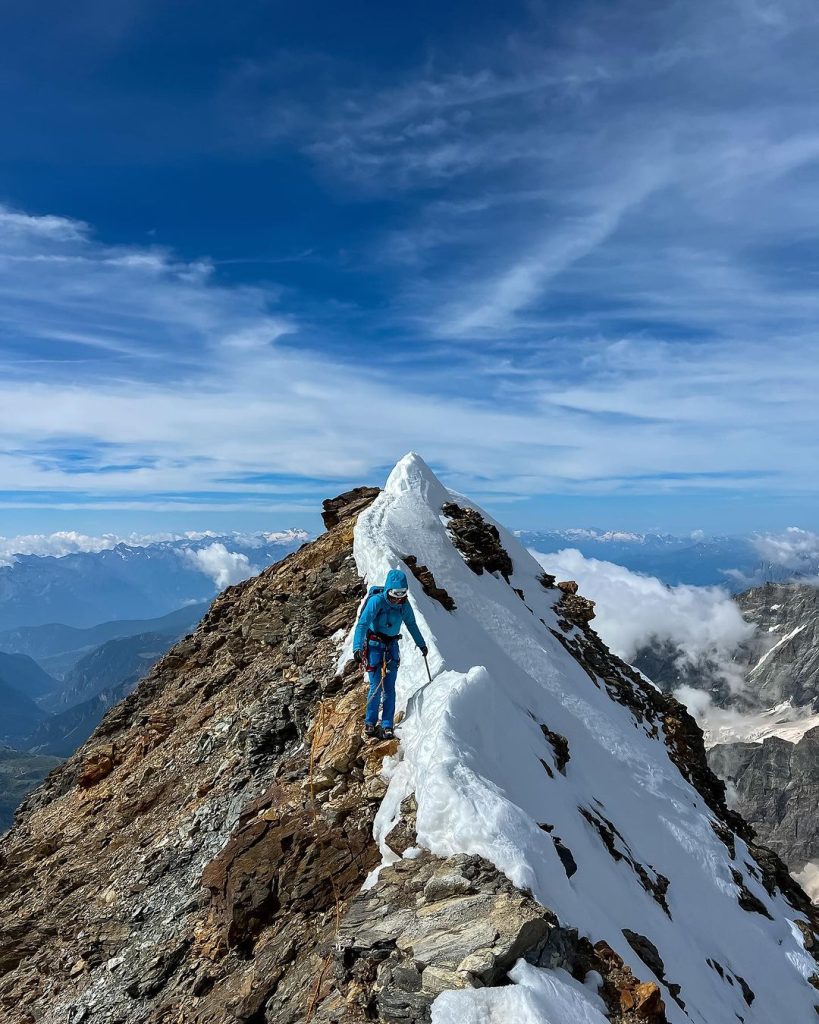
x: 375, y: 647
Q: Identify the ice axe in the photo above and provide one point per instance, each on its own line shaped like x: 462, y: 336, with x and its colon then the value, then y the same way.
x: 429, y: 674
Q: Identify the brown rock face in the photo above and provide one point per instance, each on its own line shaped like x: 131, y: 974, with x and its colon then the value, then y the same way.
x: 347, y: 505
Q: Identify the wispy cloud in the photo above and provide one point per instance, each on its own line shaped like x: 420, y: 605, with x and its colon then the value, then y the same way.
x: 585, y: 266
x: 794, y: 549
x: 580, y: 160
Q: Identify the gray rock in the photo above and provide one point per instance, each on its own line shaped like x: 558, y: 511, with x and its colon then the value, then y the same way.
x: 776, y: 788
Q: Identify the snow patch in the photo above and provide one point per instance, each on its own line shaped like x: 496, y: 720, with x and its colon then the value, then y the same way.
x: 788, y: 721
x: 537, y: 997
x: 776, y: 646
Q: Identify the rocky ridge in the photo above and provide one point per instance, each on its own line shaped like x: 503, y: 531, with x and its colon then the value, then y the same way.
x: 201, y: 858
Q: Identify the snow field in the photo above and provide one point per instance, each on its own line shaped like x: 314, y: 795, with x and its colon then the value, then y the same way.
x: 473, y: 752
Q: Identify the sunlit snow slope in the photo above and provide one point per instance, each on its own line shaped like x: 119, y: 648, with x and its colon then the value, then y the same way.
x: 471, y: 749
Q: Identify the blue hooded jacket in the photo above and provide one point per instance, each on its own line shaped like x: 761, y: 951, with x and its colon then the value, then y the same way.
x: 380, y: 616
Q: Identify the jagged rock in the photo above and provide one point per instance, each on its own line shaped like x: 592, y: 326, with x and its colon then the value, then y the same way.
x: 477, y: 540
x: 566, y: 857
x: 347, y: 505
x: 572, y: 608
x: 429, y: 924
x: 402, y: 835
x: 576, y: 609
x: 775, y: 783
x: 788, y: 615
x: 98, y: 766
x: 424, y: 576
x: 560, y: 746
x: 642, y: 999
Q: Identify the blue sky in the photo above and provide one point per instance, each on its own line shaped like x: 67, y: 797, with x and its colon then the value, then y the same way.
x: 251, y: 253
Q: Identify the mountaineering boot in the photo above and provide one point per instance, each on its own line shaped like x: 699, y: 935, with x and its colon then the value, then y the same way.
x: 386, y: 733
x: 371, y: 732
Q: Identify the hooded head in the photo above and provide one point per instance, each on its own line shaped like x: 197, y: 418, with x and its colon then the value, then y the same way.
x: 396, y: 580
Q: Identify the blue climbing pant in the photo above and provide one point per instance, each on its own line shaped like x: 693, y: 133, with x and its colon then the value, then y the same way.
x: 382, y: 667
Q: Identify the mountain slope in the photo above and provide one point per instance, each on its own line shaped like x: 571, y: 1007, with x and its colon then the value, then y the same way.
x: 777, y: 784
x: 23, y: 674
x: 124, y: 660
x: 60, y: 734
x: 786, y: 665
x: 60, y: 647
x: 84, y: 588
x: 19, y: 715
x: 761, y: 735
x: 547, y: 819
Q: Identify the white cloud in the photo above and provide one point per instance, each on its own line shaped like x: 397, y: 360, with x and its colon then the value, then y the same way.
x: 632, y: 610
x: 224, y: 567
x: 794, y: 549
x: 808, y: 878
x: 69, y: 542
x: 64, y: 542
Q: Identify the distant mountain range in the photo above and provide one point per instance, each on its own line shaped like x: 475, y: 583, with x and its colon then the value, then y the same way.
x: 79, y: 630
x: 85, y: 588
x: 733, y: 562
x: 121, y: 660
x: 58, y: 648
x: 19, y: 715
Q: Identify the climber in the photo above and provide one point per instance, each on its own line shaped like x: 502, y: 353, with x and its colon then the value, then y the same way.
x: 375, y: 647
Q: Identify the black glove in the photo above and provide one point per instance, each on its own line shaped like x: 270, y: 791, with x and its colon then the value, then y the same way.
x: 358, y: 658
x: 424, y: 651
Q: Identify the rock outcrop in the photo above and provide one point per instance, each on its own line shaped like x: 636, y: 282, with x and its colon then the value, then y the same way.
x: 776, y: 785
x: 783, y: 663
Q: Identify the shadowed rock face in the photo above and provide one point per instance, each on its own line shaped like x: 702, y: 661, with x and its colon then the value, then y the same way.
x: 776, y: 784
x: 786, y: 614
x: 200, y: 859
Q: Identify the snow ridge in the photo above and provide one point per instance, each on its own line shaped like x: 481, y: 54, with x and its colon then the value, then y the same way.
x: 475, y: 757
